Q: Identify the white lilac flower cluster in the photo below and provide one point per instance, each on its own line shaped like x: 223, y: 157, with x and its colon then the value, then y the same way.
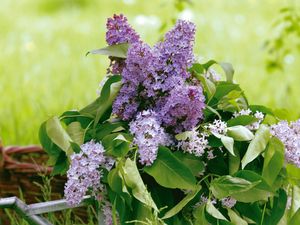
x: 195, y: 144
x: 289, y: 135
x: 85, y: 172
x: 247, y: 112
x: 228, y: 202
x: 217, y: 128
x: 148, y: 136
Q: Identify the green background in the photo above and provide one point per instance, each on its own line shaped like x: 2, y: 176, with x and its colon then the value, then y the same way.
x: 44, y: 70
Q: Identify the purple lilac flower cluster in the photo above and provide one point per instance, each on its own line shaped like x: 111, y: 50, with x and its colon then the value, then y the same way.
x: 119, y: 31
x: 185, y: 104
x: 289, y: 134
x: 148, y: 135
x: 156, y: 78
x: 85, y: 172
x: 176, y: 54
x: 138, y: 71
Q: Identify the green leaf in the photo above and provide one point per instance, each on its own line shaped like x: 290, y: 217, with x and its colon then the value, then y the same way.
x: 103, y: 103
x: 199, y: 215
x: 134, y: 181
x: 295, y: 220
x: 76, y: 148
x: 117, y: 50
x: 209, y: 64
x: 76, y: 132
x: 257, y: 145
x: 228, y: 142
x: 224, y: 88
x: 293, y: 173
x: 62, y: 164
x: 228, y: 69
x: 184, y: 135
x: 274, y: 160
x: 197, y: 68
x: 194, y: 163
x: 240, y: 133
x: 233, y: 101
x: 52, y: 149
x: 117, y: 144
x: 208, y: 86
x: 227, y: 185
x: 104, y: 129
x: 213, y: 111
x: 170, y: 172
x: 213, y: 211
x: 234, y: 162
x: 260, y: 191
x: 243, y: 120
x: 278, y: 209
x: 176, y: 209
x: 58, y: 135
x: 235, y: 218
x: 115, y: 180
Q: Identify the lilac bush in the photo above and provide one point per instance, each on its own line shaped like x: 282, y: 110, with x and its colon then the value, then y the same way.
x: 168, y: 142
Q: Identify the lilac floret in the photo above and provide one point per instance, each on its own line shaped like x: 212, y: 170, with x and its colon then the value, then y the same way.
x: 148, y: 135
x: 183, y: 109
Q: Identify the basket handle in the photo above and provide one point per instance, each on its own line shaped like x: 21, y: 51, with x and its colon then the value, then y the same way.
x: 7, y: 162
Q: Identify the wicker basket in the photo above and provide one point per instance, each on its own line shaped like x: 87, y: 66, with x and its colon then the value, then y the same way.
x: 20, y: 167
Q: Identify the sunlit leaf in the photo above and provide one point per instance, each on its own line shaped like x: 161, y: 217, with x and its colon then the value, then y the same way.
x: 117, y: 50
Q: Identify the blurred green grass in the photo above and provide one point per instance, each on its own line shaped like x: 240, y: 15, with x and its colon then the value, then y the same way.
x: 44, y: 70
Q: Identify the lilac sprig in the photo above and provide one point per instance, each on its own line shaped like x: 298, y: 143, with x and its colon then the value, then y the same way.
x: 217, y: 127
x: 119, y: 31
x: 258, y: 115
x: 148, y: 135
x: 176, y: 54
x: 289, y: 135
x: 195, y: 144
x: 85, y: 172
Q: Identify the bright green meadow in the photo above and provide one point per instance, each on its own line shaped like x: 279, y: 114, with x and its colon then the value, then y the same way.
x: 44, y: 70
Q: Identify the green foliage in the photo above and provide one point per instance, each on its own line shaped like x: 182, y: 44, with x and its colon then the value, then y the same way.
x: 257, y: 145
x: 169, y: 172
x: 248, y: 164
x: 286, y: 29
